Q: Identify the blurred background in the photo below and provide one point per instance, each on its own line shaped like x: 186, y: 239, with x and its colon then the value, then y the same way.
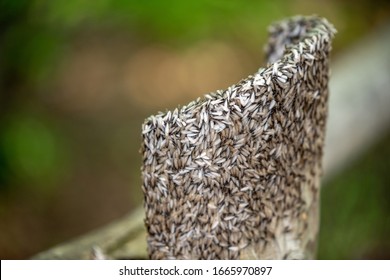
x: 78, y: 77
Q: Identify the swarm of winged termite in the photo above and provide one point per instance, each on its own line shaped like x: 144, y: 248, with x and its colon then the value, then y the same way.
x: 236, y: 173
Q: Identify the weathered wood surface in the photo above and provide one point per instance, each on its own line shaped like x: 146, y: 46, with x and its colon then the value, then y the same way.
x: 359, y: 115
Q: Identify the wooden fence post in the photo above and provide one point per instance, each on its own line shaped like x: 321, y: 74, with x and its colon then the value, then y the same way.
x: 236, y: 174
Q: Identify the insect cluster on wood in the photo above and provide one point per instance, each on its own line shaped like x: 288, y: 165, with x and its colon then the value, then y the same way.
x: 236, y: 173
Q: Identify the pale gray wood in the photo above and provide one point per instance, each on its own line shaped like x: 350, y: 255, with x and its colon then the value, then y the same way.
x: 359, y: 104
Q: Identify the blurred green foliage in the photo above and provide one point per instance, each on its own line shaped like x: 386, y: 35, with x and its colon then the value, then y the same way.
x: 34, y: 31
x: 33, y: 152
x: 161, y: 20
x: 355, y: 210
